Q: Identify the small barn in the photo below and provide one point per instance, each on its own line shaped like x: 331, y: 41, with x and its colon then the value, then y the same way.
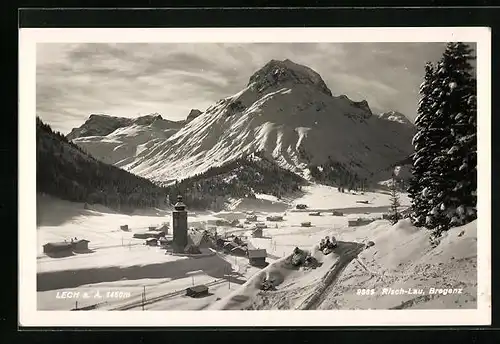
x: 257, y: 257
x: 316, y: 213
x: 337, y: 213
x: 164, y: 228
x: 222, y: 223
x: 260, y: 225
x: 57, y: 247
x: 305, y: 224
x: 359, y: 222
x: 197, y: 291
x: 301, y: 206
x: 149, y: 234
x: 80, y: 245
x: 257, y: 233
x: 124, y: 228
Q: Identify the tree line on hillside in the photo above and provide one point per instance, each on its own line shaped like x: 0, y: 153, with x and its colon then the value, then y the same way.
x: 334, y: 173
x: 64, y: 170
x: 243, y: 177
x: 443, y: 189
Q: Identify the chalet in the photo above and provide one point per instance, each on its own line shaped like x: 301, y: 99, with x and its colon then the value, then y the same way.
x: 237, y: 240
x: 57, y: 247
x: 164, y: 242
x: 197, y: 291
x: 229, y: 246
x: 80, y: 245
x: 257, y: 233
x: 301, y: 206
x: 257, y: 257
x: 260, y: 225
x: 234, y: 249
x: 305, y: 224
x: 164, y: 228
x: 337, y: 213
x: 220, y: 243
x: 124, y: 228
x: 199, y: 239
x: 251, y: 218
x: 239, y: 251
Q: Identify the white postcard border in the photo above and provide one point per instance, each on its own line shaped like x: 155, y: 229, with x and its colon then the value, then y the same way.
x: 27, y: 243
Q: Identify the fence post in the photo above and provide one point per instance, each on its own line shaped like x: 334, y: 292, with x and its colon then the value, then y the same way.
x: 76, y: 305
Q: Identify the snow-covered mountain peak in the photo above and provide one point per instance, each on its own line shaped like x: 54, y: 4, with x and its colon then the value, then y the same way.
x: 395, y: 117
x: 279, y: 74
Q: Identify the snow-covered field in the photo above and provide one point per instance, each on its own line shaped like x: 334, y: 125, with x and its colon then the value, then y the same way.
x: 400, y: 258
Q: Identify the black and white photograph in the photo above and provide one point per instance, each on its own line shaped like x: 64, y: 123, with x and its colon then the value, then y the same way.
x: 258, y: 175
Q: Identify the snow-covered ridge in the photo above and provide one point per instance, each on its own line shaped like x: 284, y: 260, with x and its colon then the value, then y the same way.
x: 102, y: 125
x: 286, y: 112
x: 395, y: 117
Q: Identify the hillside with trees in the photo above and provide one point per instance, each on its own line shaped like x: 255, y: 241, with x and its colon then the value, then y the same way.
x: 64, y: 170
x: 244, y: 177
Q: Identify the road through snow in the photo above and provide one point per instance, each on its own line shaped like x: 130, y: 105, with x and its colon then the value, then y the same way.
x: 347, y: 251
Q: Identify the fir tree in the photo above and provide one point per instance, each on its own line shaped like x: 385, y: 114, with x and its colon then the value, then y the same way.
x: 394, y: 215
x: 425, y: 150
x: 443, y: 189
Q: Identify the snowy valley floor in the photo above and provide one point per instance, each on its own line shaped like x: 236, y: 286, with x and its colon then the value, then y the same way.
x: 398, y: 272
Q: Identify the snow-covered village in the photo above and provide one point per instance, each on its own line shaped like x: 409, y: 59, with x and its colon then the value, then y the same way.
x: 328, y: 176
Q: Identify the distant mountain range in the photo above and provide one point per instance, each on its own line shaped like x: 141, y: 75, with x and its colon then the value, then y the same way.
x: 286, y: 112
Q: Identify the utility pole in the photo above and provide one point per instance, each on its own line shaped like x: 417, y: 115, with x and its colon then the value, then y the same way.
x: 143, y: 297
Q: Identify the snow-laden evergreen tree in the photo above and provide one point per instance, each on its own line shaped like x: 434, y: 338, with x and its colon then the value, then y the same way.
x: 425, y: 144
x: 461, y: 147
x: 394, y: 215
x: 444, y: 187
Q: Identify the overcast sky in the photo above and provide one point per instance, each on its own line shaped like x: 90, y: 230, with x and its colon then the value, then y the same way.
x: 127, y: 80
